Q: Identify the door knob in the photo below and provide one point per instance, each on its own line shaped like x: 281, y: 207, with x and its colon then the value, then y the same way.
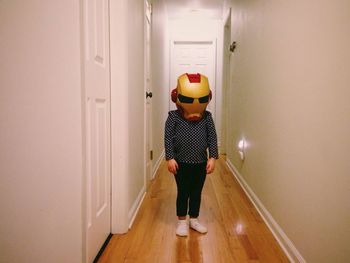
x: 149, y: 94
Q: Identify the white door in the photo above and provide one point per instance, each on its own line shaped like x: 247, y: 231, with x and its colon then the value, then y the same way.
x: 97, y: 128
x: 148, y: 91
x: 193, y: 57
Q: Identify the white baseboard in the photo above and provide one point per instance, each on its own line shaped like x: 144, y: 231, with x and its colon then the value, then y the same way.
x: 136, y: 206
x: 156, y: 166
x: 286, y: 244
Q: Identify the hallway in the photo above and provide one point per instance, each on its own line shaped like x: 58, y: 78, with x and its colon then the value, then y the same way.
x: 84, y: 94
x: 236, y: 232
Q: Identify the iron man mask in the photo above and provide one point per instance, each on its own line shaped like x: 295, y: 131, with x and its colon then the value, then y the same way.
x: 192, y: 95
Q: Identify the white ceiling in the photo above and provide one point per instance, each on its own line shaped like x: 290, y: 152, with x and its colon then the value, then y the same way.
x: 207, y: 8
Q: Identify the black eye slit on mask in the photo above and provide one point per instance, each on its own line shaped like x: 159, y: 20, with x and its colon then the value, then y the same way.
x: 204, y: 99
x: 185, y: 99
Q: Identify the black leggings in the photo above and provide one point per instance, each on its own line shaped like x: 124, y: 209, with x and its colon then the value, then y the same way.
x: 189, y: 180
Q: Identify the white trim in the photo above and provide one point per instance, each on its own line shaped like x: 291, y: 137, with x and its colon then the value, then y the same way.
x: 225, y: 73
x: 147, y: 133
x: 286, y: 244
x: 193, y: 42
x: 83, y: 125
x: 145, y: 139
x: 136, y: 206
x: 227, y: 17
x: 156, y: 166
x: 119, y: 116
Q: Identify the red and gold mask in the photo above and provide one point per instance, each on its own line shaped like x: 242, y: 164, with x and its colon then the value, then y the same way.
x: 192, y: 95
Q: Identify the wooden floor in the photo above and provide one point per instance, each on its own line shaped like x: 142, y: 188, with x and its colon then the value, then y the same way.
x: 236, y: 232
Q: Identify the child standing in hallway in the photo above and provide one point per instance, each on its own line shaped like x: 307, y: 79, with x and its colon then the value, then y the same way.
x: 189, y: 133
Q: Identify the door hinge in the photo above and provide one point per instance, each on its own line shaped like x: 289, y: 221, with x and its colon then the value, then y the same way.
x: 151, y: 155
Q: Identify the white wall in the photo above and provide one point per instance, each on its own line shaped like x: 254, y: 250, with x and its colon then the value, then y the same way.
x: 128, y: 98
x: 40, y: 132
x: 160, y: 77
x: 199, y: 28
x: 136, y: 98
x: 289, y: 99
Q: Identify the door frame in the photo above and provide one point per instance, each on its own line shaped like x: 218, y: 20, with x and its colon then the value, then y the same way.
x: 226, y: 62
x: 147, y: 67
x: 119, y: 115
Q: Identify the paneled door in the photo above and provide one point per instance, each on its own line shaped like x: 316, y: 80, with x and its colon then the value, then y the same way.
x: 193, y: 57
x: 98, y: 127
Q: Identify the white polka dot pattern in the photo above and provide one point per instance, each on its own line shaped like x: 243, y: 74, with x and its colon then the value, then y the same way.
x: 188, y: 141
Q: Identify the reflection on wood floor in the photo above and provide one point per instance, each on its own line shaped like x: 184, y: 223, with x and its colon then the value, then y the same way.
x: 236, y: 232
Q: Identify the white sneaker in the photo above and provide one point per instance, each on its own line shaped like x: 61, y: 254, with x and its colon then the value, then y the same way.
x: 194, y: 224
x: 182, y: 228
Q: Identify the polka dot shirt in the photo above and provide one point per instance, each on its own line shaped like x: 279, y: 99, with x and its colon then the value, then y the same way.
x: 188, y: 141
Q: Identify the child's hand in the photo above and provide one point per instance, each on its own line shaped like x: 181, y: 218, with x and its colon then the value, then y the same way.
x: 172, y: 166
x: 210, y: 165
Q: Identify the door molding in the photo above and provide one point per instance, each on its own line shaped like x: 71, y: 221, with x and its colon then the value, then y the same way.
x: 119, y: 115
x: 148, y: 145
x: 225, y: 81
